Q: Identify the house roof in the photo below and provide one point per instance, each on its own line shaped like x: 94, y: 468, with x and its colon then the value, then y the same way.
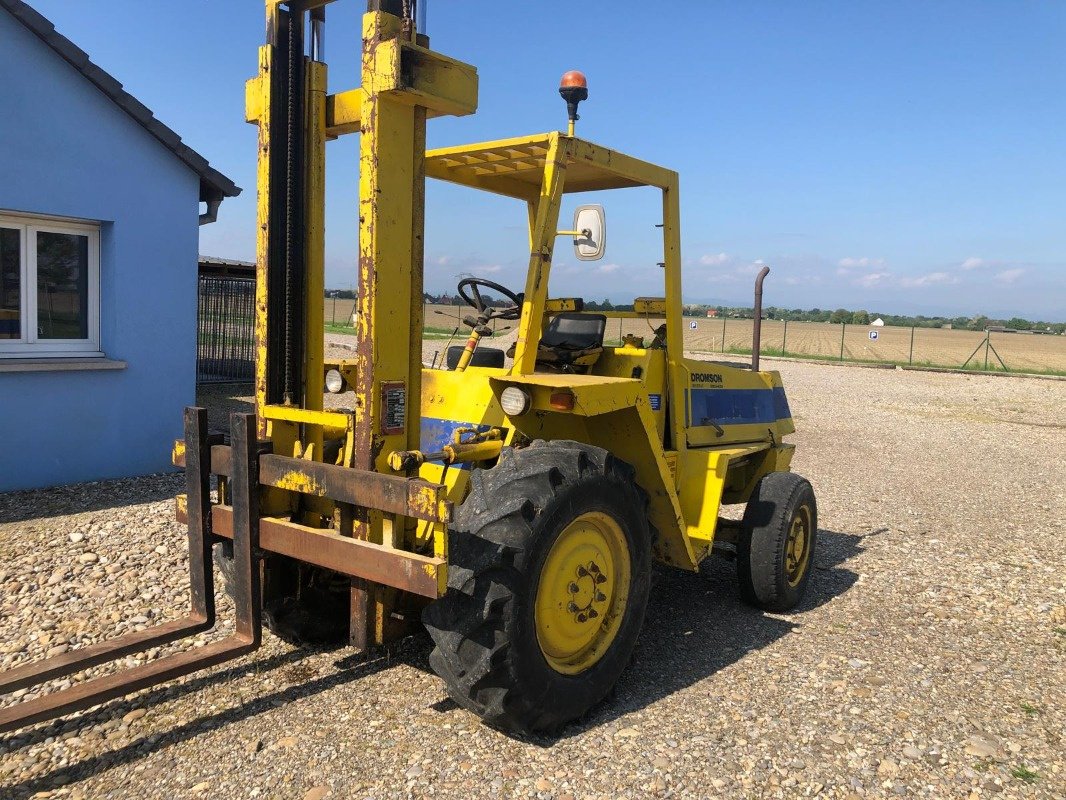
x: 213, y: 184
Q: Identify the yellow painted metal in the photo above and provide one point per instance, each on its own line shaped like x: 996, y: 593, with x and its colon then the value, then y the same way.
x: 468, y: 351
x: 798, y: 546
x: 315, y: 244
x: 702, y: 478
x: 546, y: 222
x: 516, y: 167
x: 259, y: 111
x: 582, y: 593
x: 344, y: 112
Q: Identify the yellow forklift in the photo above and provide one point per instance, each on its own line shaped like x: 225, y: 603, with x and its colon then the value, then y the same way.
x: 512, y: 503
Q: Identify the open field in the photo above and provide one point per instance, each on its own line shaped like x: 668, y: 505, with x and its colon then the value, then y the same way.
x: 929, y: 659
x: 931, y: 346
x: 934, y: 346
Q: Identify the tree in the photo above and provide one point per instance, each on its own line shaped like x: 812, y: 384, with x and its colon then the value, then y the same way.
x: 839, y: 316
x: 860, y: 318
x: 1019, y: 324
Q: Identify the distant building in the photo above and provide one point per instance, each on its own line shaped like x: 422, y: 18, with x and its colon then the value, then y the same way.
x: 877, y: 323
x: 712, y: 312
x: 99, y: 208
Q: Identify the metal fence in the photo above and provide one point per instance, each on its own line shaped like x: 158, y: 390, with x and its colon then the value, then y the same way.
x: 225, y: 346
x: 997, y: 351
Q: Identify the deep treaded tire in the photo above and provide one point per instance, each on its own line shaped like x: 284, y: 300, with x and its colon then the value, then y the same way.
x: 484, y: 629
x: 775, y: 553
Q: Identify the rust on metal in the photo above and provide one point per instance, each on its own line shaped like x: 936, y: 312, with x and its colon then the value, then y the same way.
x: 392, y: 494
x: 346, y: 555
x: 220, y: 456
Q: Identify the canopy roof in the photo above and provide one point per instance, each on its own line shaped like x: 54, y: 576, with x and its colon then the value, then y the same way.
x: 515, y: 167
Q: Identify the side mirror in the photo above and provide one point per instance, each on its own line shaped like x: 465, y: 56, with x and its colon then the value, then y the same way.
x: 590, y: 232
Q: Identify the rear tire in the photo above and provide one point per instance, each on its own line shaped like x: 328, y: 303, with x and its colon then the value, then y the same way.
x: 775, y: 552
x: 510, y: 644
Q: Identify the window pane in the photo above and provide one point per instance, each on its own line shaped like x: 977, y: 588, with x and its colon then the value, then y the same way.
x: 10, y: 282
x: 62, y: 286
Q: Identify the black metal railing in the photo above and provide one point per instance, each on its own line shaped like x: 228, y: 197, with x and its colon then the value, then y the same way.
x: 225, y: 342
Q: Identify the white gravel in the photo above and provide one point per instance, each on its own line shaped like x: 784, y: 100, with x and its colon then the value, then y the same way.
x: 928, y: 660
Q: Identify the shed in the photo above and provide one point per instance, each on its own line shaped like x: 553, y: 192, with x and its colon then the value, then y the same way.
x: 877, y: 323
x: 99, y: 220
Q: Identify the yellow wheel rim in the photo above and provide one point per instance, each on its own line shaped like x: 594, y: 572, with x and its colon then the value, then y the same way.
x: 798, y: 546
x: 582, y: 593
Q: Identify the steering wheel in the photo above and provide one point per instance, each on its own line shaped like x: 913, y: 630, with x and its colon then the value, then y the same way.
x: 514, y: 311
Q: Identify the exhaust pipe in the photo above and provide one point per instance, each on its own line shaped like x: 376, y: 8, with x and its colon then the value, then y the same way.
x: 756, y: 336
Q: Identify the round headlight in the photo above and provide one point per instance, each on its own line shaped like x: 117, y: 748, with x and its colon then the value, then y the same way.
x: 334, y: 381
x: 514, y: 401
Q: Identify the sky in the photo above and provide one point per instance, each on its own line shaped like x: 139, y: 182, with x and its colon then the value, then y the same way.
x: 904, y: 157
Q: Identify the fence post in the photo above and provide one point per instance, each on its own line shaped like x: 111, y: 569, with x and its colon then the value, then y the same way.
x: 619, y: 331
x: 723, y: 333
x: 910, y: 357
x: 843, y: 327
x: 987, y: 334
x: 784, y: 338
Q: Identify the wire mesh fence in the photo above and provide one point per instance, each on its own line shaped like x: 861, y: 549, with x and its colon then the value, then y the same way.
x: 935, y: 347
x: 225, y: 342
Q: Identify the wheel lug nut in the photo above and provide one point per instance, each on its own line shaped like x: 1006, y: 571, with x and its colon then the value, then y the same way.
x: 593, y: 613
x: 582, y: 617
x: 601, y: 579
x: 594, y: 568
x: 600, y: 597
x: 572, y: 588
x: 582, y: 572
x: 571, y: 607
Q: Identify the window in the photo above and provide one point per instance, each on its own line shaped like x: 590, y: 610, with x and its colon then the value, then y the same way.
x: 49, y: 288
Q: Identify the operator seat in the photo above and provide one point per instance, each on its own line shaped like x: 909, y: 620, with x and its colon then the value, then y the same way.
x: 572, y: 342
x: 482, y: 357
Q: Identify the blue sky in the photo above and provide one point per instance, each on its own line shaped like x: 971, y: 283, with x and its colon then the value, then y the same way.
x: 907, y: 157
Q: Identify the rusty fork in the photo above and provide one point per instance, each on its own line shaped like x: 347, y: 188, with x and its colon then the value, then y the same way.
x: 246, y: 594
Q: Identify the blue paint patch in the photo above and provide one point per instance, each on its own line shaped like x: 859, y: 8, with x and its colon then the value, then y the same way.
x: 656, y: 401
x: 738, y: 406
x: 434, y: 434
x: 781, y: 403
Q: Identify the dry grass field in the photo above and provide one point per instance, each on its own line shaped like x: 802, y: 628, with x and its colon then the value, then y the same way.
x: 932, y: 346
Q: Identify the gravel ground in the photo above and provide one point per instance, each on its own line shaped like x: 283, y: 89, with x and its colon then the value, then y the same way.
x: 927, y: 661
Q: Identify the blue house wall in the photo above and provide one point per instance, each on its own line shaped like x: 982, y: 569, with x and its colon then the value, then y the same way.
x: 67, y: 150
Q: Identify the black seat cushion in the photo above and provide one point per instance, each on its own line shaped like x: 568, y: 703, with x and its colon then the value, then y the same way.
x: 483, y: 356
x: 574, y: 332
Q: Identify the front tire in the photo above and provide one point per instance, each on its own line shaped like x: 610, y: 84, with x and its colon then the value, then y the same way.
x: 775, y: 553
x: 547, y: 586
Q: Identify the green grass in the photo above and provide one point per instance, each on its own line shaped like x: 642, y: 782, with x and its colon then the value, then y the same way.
x: 1023, y: 773
x: 428, y: 332
x: 973, y: 367
x: 1029, y: 710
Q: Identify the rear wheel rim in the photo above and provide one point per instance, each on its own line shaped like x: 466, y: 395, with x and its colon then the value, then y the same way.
x: 798, y: 545
x: 582, y: 593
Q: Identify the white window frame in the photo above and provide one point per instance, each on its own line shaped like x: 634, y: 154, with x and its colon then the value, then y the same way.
x: 28, y: 345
